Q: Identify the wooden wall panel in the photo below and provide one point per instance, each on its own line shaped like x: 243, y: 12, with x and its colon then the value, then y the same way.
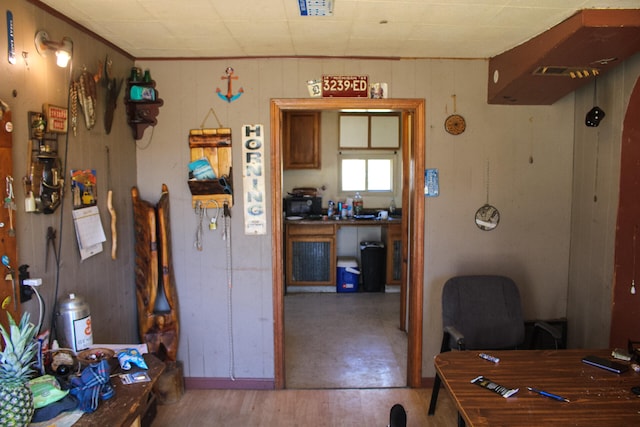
x: 9, y: 292
x: 625, y: 313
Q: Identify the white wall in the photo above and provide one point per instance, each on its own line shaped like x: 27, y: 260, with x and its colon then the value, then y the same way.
x: 531, y: 244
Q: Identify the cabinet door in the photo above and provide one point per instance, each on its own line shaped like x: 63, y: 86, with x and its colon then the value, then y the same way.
x: 394, y: 254
x: 310, y: 255
x: 354, y: 131
x: 301, y: 145
x: 385, y: 131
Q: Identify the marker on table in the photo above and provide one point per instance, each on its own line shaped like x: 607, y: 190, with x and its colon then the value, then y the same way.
x: 547, y: 394
x: 493, y: 359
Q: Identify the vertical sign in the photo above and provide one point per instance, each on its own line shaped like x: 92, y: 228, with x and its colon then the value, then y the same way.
x: 11, y: 46
x: 255, y: 220
x: 431, y: 183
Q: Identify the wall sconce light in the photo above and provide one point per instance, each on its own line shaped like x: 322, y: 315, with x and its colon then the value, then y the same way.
x: 596, y: 114
x: 63, y: 49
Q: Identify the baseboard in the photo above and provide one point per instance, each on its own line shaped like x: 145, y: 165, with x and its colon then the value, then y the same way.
x: 201, y: 383
x: 427, y: 382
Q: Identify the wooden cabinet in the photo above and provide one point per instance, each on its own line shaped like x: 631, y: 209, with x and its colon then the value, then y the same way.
x: 301, y: 142
x: 394, y: 254
x: 143, y: 106
x: 310, y: 255
x: 370, y: 131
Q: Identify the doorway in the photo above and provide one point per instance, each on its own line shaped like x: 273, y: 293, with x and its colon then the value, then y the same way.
x: 413, y: 122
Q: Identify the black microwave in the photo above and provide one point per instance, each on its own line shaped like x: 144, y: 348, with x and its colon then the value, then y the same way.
x: 302, y: 205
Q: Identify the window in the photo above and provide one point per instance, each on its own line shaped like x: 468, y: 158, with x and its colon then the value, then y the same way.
x: 366, y: 172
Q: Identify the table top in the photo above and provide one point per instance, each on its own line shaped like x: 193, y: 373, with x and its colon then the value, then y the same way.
x: 122, y: 409
x: 596, y: 397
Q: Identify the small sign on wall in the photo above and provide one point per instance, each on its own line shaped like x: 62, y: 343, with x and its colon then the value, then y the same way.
x: 431, y: 183
x: 255, y: 219
x: 56, y: 118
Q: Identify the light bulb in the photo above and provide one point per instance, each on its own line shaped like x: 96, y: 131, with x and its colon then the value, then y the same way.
x: 63, y: 58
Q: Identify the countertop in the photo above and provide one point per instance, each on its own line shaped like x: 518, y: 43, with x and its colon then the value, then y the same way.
x: 345, y: 222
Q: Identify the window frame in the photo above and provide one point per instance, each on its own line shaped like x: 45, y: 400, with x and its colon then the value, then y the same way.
x: 367, y: 155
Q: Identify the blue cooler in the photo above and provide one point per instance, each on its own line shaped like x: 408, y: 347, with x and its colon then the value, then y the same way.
x: 348, y: 275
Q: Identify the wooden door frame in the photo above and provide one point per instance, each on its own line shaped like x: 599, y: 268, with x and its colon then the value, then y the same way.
x: 413, y: 204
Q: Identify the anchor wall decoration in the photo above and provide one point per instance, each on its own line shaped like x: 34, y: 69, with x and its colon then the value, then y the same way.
x: 229, y: 96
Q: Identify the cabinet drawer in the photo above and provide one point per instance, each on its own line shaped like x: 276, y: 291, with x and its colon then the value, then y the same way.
x: 310, y: 230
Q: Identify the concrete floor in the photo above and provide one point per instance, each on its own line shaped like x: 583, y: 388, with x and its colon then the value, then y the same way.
x: 346, y: 340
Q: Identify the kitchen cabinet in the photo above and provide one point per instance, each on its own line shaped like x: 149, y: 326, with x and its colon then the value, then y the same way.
x: 393, y: 243
x: 370, y: 131
x: 301, y: 142
x: 310, y: 255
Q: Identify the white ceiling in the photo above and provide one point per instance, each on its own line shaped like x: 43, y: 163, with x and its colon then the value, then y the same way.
x: 254, y: 28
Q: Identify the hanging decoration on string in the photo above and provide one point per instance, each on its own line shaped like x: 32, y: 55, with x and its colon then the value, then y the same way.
x: 455, y: 123
x: 487, y: 216
x: 229, y: 77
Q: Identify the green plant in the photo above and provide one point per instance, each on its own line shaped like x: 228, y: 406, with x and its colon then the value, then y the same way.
x: 16, y: 362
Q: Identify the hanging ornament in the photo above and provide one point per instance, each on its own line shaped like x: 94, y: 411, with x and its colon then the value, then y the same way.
x: 455, y: 123
x: 229, y: 96
x: 487, y: 216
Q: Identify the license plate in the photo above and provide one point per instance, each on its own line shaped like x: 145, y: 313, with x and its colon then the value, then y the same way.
x: 345, y: 86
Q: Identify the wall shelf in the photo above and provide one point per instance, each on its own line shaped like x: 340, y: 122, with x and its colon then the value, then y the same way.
x: 215, y: 146
x: 142, y: 113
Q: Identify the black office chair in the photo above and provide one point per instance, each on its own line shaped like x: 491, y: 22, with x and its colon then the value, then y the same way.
x: 483, y: 313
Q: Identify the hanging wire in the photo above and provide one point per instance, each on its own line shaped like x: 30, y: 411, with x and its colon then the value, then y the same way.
x: 487, y: 180
x: 226, y: 236
x: 597, y: 167
x: 633, y: 271
x: 211, y: 111
x: 61, y: 218
x: 145, y: 146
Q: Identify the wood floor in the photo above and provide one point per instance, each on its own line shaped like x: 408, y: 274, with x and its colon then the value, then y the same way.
x: 304, y: 408
x: 346, y: 366
x: 349, y: 340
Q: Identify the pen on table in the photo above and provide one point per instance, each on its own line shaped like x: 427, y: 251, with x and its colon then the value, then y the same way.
x: 547, y: 394
x: 490, y: 358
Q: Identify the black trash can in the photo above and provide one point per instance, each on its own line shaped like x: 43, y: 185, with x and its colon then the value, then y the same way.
x: 374, y: 266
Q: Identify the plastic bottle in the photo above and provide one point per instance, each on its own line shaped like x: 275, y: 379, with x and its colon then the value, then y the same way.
x: 392, y: 206
x: 330, y: 209
x: 358, y: 204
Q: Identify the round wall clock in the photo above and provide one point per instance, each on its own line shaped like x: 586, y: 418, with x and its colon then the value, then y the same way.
x: 487, y: 217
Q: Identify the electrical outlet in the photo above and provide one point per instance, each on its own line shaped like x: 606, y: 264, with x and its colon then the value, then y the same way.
x: 26, y: 292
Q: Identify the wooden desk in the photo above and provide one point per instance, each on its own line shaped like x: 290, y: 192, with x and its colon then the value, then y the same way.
x: 130, y: 402
x: 597, y: 397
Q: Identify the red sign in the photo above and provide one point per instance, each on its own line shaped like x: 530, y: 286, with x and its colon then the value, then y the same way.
x: 345, y: 86
x: 56, y: 118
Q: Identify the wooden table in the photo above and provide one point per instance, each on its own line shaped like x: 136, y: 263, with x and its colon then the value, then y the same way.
x: 597, y: 397
x: 130, y: 402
